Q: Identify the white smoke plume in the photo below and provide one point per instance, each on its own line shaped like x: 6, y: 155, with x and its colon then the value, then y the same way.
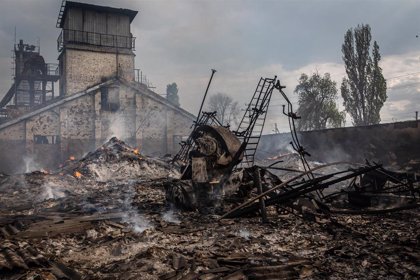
x: 244, y: 234
x: 171, y: 217
x: 118, y: 127
x: 30, y: 164
x: 138, y: 222
x: 52, y: 191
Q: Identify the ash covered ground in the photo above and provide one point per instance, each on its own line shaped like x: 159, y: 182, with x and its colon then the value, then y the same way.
x: 105, y: 217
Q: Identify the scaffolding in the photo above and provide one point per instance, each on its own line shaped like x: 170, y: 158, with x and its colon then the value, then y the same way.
x: 33, y: 82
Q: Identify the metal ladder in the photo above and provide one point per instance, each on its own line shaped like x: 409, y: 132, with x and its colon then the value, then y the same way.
x: 251, y: 126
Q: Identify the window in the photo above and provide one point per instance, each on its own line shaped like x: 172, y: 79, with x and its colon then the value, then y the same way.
x: 110, y: 98
x: 46, y: 139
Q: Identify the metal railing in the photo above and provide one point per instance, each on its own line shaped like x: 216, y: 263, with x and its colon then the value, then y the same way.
x: 52, y: 69
x: 141, y: 78
x: 92, y: 38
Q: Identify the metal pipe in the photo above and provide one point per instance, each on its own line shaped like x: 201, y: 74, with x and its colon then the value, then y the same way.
x: 257, y: 183
x: 205, y: 95
x: 251, y: 200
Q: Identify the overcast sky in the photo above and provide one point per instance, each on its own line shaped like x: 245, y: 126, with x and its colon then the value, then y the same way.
x: 180, y: 41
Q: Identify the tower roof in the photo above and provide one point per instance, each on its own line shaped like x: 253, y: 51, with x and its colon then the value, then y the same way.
x: 70, y: 4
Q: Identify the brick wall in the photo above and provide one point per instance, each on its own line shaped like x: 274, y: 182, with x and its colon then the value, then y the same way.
x: 85, y: 66
x: 82, y: 125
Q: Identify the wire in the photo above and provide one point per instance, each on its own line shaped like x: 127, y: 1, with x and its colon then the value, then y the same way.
x: 404, y: 86
x: 405, y: 75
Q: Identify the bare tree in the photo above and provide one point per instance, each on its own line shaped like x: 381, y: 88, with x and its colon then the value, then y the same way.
x: 227, y: 109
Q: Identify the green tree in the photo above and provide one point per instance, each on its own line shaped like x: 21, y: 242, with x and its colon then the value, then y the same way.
x: 227, y: 109
x: 364, y: 89
x: 317, y: 103
x: 172, y: 94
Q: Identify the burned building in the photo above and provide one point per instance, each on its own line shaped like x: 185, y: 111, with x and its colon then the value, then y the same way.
x: 115, y: 213
x: 98, y: 95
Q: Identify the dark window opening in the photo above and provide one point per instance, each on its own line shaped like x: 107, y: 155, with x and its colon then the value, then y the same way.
x: 46, y: 139
x: 110, y: 99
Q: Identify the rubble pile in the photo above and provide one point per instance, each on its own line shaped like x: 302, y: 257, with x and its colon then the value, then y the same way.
x: 112, y: 222
x: 116, y: 160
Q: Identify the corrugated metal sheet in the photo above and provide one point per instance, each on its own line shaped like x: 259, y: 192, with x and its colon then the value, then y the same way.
x: 98, y: 28
x: 123, y: 25
x: 112, y: 24
x: 89, y: 21
x: 100, y: 25
x: 98, y: 22
x: 95, y: 22
x: 75, y: 19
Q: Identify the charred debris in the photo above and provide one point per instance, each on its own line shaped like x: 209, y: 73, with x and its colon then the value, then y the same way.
x: 214, y: 211
x: 218, y: 164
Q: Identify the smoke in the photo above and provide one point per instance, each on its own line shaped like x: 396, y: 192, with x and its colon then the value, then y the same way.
x: 244, y: 234
x: 30, y: 164
x: 150, y: 120
x: 333, y: 153
x: 171, y: 217
x: 52, y: 191
x: 118, y: 127
x: 322, y: 147
x: 275, y: 145
x: 93, y: 208
x: 138, y: 222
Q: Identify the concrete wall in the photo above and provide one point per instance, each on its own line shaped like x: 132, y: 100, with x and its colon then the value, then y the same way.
x: 150, y: 125
x: 46, y: 124
x: 12, y: 153
x: 84, y: 66
x: 395, y: 145
x: 180, y: 128
x: 77, y: 127
x: 157, y: 125
x: 82, y: 124
x: 12, y: 148
x: 14, y: 132
x: 119, y: 123
x: 19, y: 152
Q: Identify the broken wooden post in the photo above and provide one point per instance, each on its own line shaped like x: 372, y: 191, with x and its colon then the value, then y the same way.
x: 257, y: 184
